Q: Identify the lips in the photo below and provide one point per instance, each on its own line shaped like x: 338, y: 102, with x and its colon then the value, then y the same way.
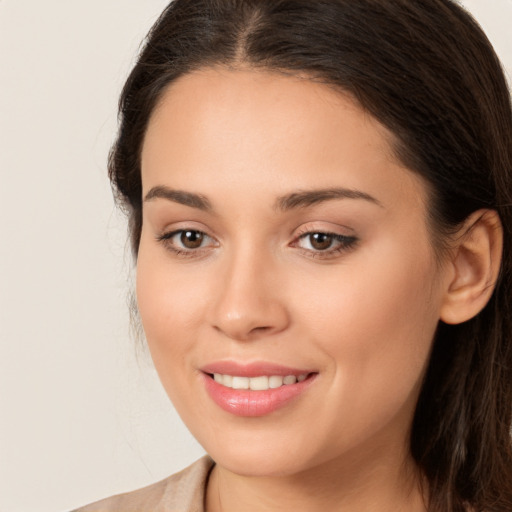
x: 256, y: 389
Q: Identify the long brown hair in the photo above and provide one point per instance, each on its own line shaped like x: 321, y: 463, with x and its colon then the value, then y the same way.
x: 425, y: 70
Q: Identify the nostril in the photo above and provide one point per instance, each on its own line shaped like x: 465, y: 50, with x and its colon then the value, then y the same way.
x: 261, y: 329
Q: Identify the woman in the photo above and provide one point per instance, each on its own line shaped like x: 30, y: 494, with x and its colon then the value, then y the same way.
x: 319, y: 196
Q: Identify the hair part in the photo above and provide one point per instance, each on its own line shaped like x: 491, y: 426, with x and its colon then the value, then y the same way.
x: 427, y: 72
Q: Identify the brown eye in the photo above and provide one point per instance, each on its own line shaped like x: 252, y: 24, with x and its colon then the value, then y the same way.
x: 321, y: 241
x: 324, y: 244
x: 191, y: 239
x: 188, y: 242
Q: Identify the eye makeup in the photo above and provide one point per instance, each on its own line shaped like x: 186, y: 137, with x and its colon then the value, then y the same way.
x: 192, y: 243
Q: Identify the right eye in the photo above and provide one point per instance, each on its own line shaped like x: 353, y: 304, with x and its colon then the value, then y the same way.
x: 184, y: 241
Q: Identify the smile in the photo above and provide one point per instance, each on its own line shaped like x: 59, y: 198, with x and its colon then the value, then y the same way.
x: 256, y: 389
x: 260, y: 383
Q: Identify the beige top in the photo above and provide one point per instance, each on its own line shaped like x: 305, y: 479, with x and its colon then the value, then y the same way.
x: 181, y: 492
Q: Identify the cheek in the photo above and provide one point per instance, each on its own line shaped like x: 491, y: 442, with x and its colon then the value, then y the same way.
x: 170, y: 306
x: 376, y: 321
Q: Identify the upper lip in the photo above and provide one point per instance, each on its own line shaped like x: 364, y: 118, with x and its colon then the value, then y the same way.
x: 254, y: 369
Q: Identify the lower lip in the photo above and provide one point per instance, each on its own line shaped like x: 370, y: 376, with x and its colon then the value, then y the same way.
x: 242, y: 402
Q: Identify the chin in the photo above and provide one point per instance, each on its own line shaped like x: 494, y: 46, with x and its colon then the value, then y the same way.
x: 258, y: 463
x: 258, y: 453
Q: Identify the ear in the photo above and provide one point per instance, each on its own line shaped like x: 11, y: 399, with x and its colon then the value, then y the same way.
x: 475, y: 263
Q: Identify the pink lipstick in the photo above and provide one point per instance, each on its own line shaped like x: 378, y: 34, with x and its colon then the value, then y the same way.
x: 255, y: 389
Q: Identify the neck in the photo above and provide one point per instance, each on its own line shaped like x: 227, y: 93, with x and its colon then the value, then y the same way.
x: 378, y: 485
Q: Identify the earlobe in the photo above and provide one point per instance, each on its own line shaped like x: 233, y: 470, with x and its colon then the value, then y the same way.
x: 475, y: 260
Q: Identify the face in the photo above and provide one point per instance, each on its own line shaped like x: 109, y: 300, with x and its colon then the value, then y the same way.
x: 286, y: 250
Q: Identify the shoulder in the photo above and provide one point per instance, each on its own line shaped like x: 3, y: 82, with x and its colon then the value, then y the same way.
x: 181, y: 492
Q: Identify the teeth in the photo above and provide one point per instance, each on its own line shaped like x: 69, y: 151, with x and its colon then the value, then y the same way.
x: 276, y: 381
x: 261, y: 383
x: 227, y: 380
x: 240, y: 382
x: 258, y: 383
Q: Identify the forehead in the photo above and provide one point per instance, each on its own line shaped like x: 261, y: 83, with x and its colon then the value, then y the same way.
x: 278, y: 105
x: 267, y: 131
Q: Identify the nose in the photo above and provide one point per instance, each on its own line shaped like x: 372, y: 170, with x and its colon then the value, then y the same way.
x: 249, y: 303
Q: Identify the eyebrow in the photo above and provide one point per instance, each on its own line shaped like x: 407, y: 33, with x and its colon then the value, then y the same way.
x: 303, y: 199
x: 179, y: 196
x: 294, y: 200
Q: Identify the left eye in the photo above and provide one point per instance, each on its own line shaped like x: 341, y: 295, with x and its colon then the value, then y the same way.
x: 324, y: 241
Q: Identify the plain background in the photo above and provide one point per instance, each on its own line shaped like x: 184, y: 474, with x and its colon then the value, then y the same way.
x: 82, y: 414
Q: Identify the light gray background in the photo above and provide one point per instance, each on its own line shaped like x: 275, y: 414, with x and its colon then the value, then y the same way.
x: 82, y: 416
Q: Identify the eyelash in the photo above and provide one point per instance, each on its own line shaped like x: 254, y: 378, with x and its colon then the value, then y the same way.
x: 345, y: 243
x: 166, y: 239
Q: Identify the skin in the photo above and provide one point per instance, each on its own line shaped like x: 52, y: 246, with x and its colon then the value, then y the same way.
x: 257, y: 289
